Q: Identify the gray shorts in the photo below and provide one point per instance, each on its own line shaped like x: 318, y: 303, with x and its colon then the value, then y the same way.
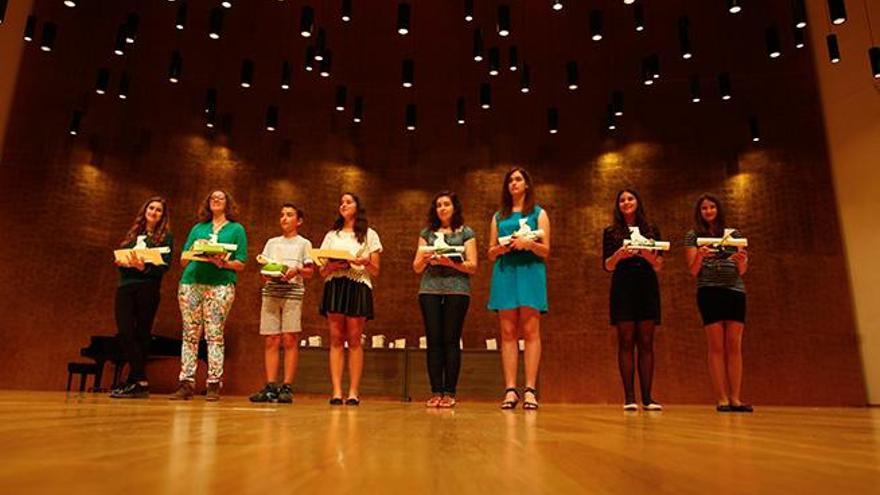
x: 279, y: 315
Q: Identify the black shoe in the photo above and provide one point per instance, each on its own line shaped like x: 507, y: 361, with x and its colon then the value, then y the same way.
x: 268, y: 394
x: 742, y: 408
x: 336, y: 401
x: 131, y: 391
x: 285, y: 394
x: 353, y: 401
x: 510, y: 404
x: 723, y: 408
x: 532, y: 404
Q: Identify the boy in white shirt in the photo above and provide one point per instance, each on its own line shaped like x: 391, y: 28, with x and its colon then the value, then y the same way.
x: 281, y: 312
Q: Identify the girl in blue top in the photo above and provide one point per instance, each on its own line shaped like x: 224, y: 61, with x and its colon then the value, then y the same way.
x: 519, y: 281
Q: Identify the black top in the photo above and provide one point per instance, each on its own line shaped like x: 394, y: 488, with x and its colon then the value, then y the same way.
x: 612, y: 240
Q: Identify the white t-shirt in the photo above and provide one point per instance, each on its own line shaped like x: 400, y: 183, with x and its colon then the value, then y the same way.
x: 289, y: 251
x: 347, y: 241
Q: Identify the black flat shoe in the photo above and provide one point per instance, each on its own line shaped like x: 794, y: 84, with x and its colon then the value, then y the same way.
x: 510, y: 404
x: 742, y: 408
x: 336, y: 401
x: 353, y: 401
x: 530, y: 405
x: 723, y: 408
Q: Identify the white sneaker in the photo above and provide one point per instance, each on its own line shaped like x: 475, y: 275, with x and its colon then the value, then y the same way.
x: 631, y: 406
x: 652, y: 407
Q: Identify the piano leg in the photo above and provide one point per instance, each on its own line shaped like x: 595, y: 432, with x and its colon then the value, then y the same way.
x: 98, y: 375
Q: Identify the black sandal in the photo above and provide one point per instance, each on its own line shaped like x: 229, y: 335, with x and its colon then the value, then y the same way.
x: 336, y: 401
x: 741, y: 408
x: 530, y: 404
x: 353, y: 401
x: 510, y: 404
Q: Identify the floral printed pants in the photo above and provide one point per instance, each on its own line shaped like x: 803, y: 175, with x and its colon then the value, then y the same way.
x: 204, y: 309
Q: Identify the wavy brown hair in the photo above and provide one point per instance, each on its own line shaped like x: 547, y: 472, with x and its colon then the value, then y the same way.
x: 457, y: 219
x: 204, y: 214
x: 360, y: 219
x: 139, y: 227
x: 701, y: 226
x: 621, y: 229
x: 507, y: 198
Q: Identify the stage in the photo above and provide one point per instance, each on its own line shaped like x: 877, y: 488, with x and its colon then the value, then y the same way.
x: 73, y: 443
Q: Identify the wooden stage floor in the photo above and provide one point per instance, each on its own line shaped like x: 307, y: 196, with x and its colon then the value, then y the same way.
x: 55, y: 443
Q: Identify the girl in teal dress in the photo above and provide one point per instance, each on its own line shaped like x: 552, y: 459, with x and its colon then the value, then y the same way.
x: 519, y: 281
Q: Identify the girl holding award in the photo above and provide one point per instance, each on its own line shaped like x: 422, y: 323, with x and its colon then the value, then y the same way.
x: 630, y: 251
x: 214, y: 252
x: 519, y: 244
x: 446, y: 257
x: 716, y: 256
x: 137, y: 294
x: 349, y: 258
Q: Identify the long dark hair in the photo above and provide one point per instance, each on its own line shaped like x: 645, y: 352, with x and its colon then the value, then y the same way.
x: 701, y: 226
x: 621, y: 229
x: 507, y: 198
x: 457, y: 219
x: 204, y: 214
x: 139, y: 226
x: 360, y: 220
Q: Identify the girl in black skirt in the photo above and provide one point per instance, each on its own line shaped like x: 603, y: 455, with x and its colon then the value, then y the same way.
x: 635, y: 296
x: 348, y: 293
x: 721, y: 297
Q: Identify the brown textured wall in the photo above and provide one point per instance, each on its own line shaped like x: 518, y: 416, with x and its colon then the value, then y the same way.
x: 65, y: 202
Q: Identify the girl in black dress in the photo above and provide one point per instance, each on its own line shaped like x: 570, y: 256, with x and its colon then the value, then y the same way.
x: 635, y: 295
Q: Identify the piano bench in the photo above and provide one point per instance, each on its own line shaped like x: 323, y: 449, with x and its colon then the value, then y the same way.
x: 83, y: 370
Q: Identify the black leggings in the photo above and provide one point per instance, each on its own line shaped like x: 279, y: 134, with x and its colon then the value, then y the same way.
x: 444, y: 318
x: 136, y: 306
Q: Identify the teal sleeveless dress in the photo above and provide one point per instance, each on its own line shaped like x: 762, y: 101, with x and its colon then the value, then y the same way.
x: 519, y: 278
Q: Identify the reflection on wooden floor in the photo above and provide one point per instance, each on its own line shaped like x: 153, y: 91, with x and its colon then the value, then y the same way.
x: 53, y: 443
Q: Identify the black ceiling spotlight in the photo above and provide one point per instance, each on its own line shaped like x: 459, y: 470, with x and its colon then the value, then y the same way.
x: 358, y: 114
x: 571, y: 75
x: 67, y: 3
x: 403, y: 15
x: 734, y: 7
x: 123, y: 86
x: 459, y: 111
x: 774, y: 45
x: 3, y: 5
x: 309, y: 64
x: 639, y: 17
x: 874, y: 57
x: 103, y: 81
x: 617, y: 103
x: 494, y: 61
x: 525, y: 81
x: 837, y: 11
x: 49, y: 34
x: 596, y: 25
x: 684, y: 37
x: 215, y: 23
x: 272, y: 118
x: 247, y: 73
x: 211, y: 100
x: 695, y: 89
x: 557, y: 5
x: 341, y: 98
x: 478, y: 45
x: 226, y: 4
x: 320, y: 44
x: 175, y: 68
x: 286, y: 75
x: 724, y: 86
x: 306, y: 21
x: 513, y: 59
x: 411, y: 117
x: 610, y: 122
x: 30, y: 27
x: 553, y: 120
x: 503, y: 25
x: 211, y: 118
x: 799, y: 13
x: 650, y: 69
x: 799, y: 38
x: 326, y: 64
x: 629, y: 2
x: 833, y: 48
x: 346, y: 10
x: 180, y: 22
x: 408, y: 73
x: 131, y: 27
x: 468, y: 10
x: 485, y: 96
x: 753, y: 129
x: 119, y: 46
x: 75, y: 122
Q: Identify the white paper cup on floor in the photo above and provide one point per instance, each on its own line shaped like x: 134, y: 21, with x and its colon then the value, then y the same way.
x: 378, y: 341
x: 423, y: 342
x: 522, y: 344
x: 303, y: 342
x: 491, y: 344
x: 461, y: 343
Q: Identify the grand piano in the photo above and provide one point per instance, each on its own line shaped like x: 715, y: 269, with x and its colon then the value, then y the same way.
x: 107, y: 348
